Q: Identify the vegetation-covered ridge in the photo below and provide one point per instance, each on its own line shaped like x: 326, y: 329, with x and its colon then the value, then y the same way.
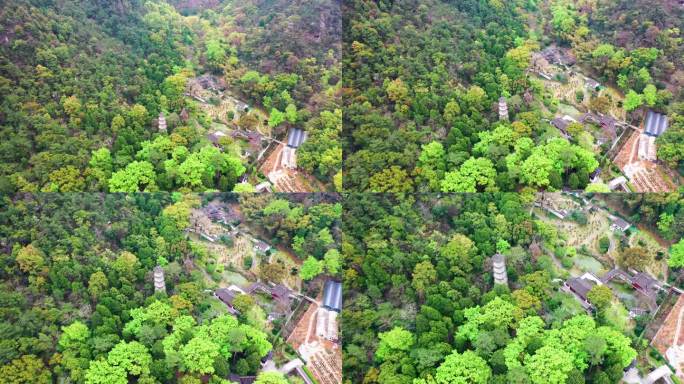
x: 426, y: 305
x: 460, y: 96
x: 113, y: 288
x: 85, y: 87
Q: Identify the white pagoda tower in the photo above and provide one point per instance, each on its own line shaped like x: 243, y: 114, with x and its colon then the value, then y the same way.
x: 159, y: 283
x: 162, y: 122
x: 503, y: 109
x: 499, y: 269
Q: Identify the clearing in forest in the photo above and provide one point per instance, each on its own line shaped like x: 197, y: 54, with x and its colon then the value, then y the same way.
x: 284, y: 177
x: 644, y: 175
x: 323, y: 357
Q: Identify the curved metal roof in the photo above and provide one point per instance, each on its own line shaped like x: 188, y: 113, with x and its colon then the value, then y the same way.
x: 332, y: 295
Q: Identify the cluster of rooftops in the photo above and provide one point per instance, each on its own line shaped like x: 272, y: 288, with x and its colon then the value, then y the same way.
x: 332, y: 293
x: 641, y: 281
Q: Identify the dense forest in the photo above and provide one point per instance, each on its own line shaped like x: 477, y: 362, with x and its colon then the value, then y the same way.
x: 82, y: 85
x: 423, y: 82
x: 423, y: 307
x: 78, y: 302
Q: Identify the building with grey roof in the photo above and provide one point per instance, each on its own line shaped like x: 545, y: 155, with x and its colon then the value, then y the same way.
x: 261, y: 247
x: 580, y: 287
x: 592, y: 84
x: 332, y: 295
x: 619, y: 224
x: 296, y: 137
x: 646, y: 283
x: 656, y: 124
x: 227, y: 296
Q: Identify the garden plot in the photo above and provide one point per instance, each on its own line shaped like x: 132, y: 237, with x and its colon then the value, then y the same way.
x: 217, y: 102
x: 657, y: 268
x: 323, y: 357
x: 291, y: 264
x: 565, y: 92
x: 644, y: 175
x: 283, y: 177
x: 577, y: 235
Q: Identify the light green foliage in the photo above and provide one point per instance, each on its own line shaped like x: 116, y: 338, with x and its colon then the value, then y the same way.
x: 604, y: 50
x: 200, y: 168
x: 501, y: 136
x: 563, y: 21
x: 497, y: 313
x: 397, y: 339
x: 133, y: 357
x: 138, y: 176
x: 665, y: 224
x: 178, y: 214
x: 97, y: 283
x: 291, y: 113
x: 101, y: 372
x: 650, y: 95
x: 619, y: 345
x: 575, y: 345
x: 173, y: 88
x: 276, y: 118
x: 101, y: 164
x: 74, y: 335
x: 27, y: 369
x: 465, y: 368
x: 332, y: 261
x: 138, y: 115
x: 557, y: 156
x: 125, y: 264
x: 632, y: 101
x: 458, y: 252
x: 476, y: 174
x: 549, y: 366
x: 199, y: 355
x: 397, y: 91
x: 431, y: 163
x: 600, y: 296
x: 277, y: 206
x: 270, y: 378
x: 161, y: 148
x: 597, y: 188
x: 475, y: 97
x: 676, y: 259
x: 216, y: 54
x: 157, y: 313
x: 321, y: 152
x: 244, y: 188
x: 310, y: 268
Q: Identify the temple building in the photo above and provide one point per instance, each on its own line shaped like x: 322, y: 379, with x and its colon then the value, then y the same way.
x: 162, y: 122
x: 503, y: 109
x: 499, y: 269
x: 159, y: 283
